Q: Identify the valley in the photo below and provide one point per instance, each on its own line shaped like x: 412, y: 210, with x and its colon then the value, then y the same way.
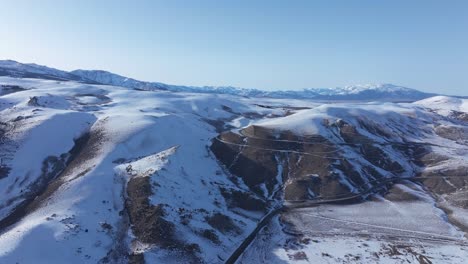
x: 94, y: 172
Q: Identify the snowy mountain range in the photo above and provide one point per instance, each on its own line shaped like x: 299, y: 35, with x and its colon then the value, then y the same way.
x: 379, y: 92
x: 31, y: 70
x: 138, y: 173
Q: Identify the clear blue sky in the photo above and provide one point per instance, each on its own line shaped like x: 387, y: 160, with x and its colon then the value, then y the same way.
x: 258, y: 44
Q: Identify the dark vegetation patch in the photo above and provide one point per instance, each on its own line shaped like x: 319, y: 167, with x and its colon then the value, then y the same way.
x: 243, y: 200
x: 219, y: 124
x: 222, y: 223
x: 120, y: 161
x: 211, y: 235
x: 19, y: 118
x: 283, y: 107
x: 252, y: 115
x: 374, y: 129
x: 462, y: 116
x: 8, y: 89
x: 4, y: 171
x: 379, y: 158
x: 352, y: 175
x: 33, y: 101
x: 420, y: 155
x: 300, y: 255
x: 228, y: 109
x: 136, y: 258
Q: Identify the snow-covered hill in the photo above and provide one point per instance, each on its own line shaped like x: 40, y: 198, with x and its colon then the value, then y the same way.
x: 105, y: 77
x: 378, y: 92
x: 31, y: 70
x: 445, y: 105
x: 115, y: 174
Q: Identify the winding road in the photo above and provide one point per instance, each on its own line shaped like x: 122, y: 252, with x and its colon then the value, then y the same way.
x: 323, y: 200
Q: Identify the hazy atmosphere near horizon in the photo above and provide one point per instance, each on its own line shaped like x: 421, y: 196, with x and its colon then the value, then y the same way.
x: 268, y: 45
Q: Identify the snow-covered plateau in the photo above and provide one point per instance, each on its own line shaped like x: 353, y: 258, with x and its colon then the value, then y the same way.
x: 100, y: 168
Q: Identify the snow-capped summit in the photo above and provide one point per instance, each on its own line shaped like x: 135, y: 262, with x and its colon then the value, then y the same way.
x: 359, y: 88
x: 383, y: 87
x: 374, y: 92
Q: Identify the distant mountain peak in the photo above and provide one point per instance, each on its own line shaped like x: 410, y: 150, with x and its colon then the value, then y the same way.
x: 32, y: 70
x: 364, y: 92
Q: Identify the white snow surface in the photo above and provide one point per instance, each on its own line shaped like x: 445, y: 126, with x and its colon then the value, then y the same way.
x: 163, y: 135
x: 444, y: 104
x: 134, y: 126
x: 362, y: 233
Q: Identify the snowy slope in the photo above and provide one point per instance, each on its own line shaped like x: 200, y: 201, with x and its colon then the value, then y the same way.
x: 110, y: 174
x: 128, y: 129
x: 444, y: 105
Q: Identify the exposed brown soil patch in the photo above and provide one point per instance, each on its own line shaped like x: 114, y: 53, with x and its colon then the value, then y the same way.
x: 462, y: 116
x: 306, y: 175
x: 254, y: 167
x: 446, y: 181
x: 398, y: 194
x: 252, y: 156
x: 148, y: 223
x: 454, y: 133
